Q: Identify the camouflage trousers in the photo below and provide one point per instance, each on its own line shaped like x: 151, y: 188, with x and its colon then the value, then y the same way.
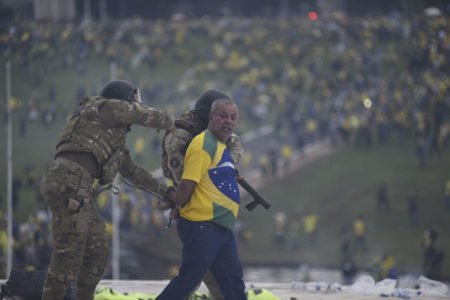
x: 80, y: 243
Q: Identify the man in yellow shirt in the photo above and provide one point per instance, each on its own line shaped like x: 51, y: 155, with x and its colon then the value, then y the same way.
x: 207, y: 198
x: 359, y: 227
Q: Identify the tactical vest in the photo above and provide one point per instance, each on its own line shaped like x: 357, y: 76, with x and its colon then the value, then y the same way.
x: 84, y: 133
x: 189, y: 122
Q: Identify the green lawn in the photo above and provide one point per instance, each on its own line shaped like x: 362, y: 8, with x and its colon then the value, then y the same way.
x: 341, y: 187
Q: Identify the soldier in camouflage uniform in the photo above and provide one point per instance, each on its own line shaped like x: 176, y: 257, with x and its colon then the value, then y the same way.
x: 91, y: 151
x: 174, y: 146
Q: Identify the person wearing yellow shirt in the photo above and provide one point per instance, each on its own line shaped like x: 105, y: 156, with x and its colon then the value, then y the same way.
x: 286, y: 154
x: 310, y: 222
x: 359, y: 228
x: 139, y: 146
x: 207, y: 199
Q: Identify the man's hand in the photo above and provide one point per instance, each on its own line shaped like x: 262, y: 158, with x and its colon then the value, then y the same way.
x: 167, y: 201
x: 170, y: 195
x: 239, y: 178
x: 175, y: 213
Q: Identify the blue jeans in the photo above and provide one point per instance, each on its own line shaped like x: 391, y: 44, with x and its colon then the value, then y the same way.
x: 206, y: 246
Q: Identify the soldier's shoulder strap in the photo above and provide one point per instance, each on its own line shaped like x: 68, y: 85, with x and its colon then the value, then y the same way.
x: 186, y: 125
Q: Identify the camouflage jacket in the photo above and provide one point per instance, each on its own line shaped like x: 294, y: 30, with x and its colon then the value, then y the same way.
x: 174, y: 146
x: 87, y: 131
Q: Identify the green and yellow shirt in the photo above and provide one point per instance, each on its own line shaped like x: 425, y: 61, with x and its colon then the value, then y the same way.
x: 216, y: 196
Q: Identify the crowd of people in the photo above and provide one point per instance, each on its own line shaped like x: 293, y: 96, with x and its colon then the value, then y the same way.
x: 353, y: 80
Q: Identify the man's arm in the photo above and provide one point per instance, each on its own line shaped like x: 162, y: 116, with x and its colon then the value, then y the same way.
x: 141, y: 178
x: 197, y: 162
x: 120, y: 113
x: 184, y: 192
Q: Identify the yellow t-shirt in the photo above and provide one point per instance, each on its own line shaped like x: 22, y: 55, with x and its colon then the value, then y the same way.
x: 310, y: 223
x: 359, y: 227
x: 216, y: 196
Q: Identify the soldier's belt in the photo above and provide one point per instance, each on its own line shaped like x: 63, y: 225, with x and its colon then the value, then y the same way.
x: 85, y: 178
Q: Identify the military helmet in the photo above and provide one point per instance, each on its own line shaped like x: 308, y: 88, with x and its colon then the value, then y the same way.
x: 120, y: 89
x: 203, y: 104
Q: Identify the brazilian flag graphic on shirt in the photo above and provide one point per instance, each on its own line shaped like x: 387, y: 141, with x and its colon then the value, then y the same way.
x: 223, y: 177
x: 216, y: 196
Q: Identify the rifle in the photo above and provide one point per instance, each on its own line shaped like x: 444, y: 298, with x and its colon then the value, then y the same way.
x: 257, y: 198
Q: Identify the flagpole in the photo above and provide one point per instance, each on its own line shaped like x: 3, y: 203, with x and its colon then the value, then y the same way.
x: 9, y: 168
x: 115, y: 213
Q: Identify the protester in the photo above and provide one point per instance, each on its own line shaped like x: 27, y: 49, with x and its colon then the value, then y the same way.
x: 207, y: 199
x: 279, y: 229
x: 174, y: 146
x: 359, y: 230
x: 310, y: 227
x: 90, y: 150
x: 382, y: 199
x: 433, y: 256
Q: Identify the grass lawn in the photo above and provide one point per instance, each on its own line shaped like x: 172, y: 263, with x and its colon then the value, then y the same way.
x: 343, y: 186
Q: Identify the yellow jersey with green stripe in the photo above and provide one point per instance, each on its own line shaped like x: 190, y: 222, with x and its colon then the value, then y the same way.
x: 216, y: 196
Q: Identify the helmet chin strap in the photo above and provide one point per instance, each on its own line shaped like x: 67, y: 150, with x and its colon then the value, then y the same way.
x: 137, y: 96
